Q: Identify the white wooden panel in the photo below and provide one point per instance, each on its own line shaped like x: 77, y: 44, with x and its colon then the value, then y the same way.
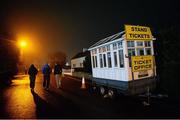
x: 110, y: 73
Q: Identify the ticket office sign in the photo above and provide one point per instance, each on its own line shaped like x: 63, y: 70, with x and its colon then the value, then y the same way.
x: 133, y: 32
x: 142, y: 63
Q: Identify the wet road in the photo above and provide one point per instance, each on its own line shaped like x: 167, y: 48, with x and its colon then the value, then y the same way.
x: 17, y: 101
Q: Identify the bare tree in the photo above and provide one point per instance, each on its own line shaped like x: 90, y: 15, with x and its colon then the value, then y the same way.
x: 57, y: 57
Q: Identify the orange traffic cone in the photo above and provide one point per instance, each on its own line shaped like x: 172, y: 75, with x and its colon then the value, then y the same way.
x: 83, y: 85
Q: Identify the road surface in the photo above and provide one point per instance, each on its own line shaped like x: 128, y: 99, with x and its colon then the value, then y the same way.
x: 70, y: 101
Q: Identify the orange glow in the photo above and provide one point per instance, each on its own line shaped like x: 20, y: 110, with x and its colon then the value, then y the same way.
x: 20, y: 98
x: 30, y: 48
x: 23, y: 44
x: 22, y: 41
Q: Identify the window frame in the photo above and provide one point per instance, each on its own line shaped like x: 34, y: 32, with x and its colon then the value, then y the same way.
x: 104, y: 60
x: 121, y: 58
x: 101, y: 60
x: 115, y: 59
x: 138, y: 52
x: 109, y: 59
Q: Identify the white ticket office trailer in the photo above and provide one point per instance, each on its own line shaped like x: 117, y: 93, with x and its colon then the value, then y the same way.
x: 111, y: 65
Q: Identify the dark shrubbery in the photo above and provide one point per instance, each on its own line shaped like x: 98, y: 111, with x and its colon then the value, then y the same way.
x: 87, y: 64
x: 167, y: 60
x: 9, y: 54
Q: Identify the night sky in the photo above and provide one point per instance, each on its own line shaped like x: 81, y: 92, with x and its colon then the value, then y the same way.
x: 69, y: 26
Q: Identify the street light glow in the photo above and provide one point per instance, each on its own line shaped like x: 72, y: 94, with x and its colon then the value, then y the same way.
x: 22, y: 41
x: 23, y: 44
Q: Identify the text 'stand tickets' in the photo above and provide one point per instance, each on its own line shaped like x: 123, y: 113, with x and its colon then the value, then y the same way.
x: 137, y: 32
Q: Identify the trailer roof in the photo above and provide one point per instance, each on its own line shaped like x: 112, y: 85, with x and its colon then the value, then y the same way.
x: 108, y: 39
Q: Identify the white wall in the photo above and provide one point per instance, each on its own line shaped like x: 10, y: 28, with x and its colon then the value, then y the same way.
x: 110, y: 73
x: 114, y: 73
x: 77, y: 62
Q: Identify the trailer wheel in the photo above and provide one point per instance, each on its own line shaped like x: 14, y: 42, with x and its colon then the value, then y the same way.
x: 93, y: 88
x: 102, y: 90
x: 111, y: 93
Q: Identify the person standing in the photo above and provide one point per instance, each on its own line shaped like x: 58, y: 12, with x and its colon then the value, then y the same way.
x: 57, y: 74
x: 46, y: 72
x: 32, y: 76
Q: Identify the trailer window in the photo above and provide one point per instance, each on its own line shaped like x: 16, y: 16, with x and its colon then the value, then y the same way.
x: 114, y: 46
x: 139, y: 44
x: 108, y: 48
x: 100, y: 50
x: 130, y: 43
x: 109, y: 59
x: 148, y: 51
x: 104, y: 58
x: 104, y: 49
x: 140, y: 51
x: 101, y: 60
x: 93, y: 61
x: 147, y: 43
x: 131, y: 52
x: 94, y: 51
x: 115, y: 59
x: 96, y: 61
x: 121, y: 59
x: 120, y: 45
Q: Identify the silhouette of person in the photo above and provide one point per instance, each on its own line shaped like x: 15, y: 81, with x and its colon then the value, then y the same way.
x: 57, y: 74
x: 32, y: 76
x: 46, y: 72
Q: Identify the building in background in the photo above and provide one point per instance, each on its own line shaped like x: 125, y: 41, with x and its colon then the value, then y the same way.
x: 81, y: 61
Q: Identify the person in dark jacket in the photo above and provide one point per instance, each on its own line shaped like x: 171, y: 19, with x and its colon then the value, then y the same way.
x: 57, y: 74
x: 32, y: 76
x: 46, y: 72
